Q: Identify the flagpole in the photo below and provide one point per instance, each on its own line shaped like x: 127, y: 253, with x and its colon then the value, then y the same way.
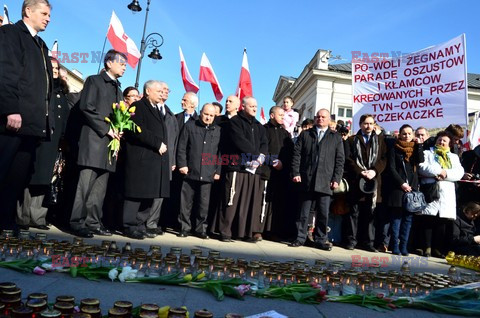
x: 101, y: 57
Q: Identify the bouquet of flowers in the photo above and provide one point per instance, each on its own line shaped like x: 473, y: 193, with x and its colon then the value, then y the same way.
x: 120, y: 120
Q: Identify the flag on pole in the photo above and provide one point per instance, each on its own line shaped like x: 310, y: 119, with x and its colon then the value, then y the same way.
x: 245, y: 82
x: 263, y: 120
x: 474, y: 138
x: 121, y: 42
x: 54, y: 51
x: 208, y: 75
x: 188, y: 82
x: 6, y: 19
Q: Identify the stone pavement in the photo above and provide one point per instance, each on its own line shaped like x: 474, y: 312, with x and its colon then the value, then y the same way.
x: 55, y: 284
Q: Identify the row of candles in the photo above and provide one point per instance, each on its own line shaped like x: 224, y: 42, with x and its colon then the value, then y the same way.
x: 36, y: 306
x: 334, y: 277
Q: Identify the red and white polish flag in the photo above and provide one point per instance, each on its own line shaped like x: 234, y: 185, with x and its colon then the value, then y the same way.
x: 208, y: 75
x: 121, y: 42
x: 263, y: 120
x: 188, y: 82
x: 245, y: 82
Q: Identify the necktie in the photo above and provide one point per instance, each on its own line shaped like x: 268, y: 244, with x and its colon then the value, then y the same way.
x: 366, y: 139
x: 160, y: 110
x: 320, y: 135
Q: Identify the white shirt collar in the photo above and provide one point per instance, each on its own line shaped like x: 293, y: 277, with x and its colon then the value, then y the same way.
x: 110, y: 75
x: 32, y: 31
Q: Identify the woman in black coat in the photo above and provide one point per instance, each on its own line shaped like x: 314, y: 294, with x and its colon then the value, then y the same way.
x: 403, y: 160
x: 33, y: 210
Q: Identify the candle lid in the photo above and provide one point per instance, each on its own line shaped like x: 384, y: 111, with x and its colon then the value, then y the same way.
x: 36, y: 303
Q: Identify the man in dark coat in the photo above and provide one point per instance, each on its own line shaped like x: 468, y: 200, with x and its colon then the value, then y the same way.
x: 318, y: 161
x: 99, y: 93
x: 189, y: 104
x: 147, y: 166
x: 244, y: 187
x: 172, y: 127
x: 366, y: 159
x: 196, y: 158
x: 277, y: 174
x: 25, y: 90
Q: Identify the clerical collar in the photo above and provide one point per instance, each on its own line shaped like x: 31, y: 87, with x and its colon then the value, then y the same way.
x: 32, y: 31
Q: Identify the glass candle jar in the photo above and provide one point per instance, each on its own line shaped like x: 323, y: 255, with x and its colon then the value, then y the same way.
x: 93, y: 311
x: 65, y: 308
x: 334, y: 287
x: 118, y: 313
x: 92, y: 302
x: 149, y: 308
x: 350, y: 283
x: 124, y: 304
x: 65, y: 299
x: 37, y: 305
x: 203, y: 314
x: 50, y: 313
x: 177, y: 312
x: 21, y: 312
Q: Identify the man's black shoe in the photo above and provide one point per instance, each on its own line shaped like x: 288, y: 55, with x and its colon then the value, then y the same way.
x: 250, y: 240
x: 101, y: 231
x: 136, y: 235
x: 147, y: 234
x: 41, y: 227
x: 350, y: 247
x: 182, y: 234
x: 295, y: 243
x: 203, y: 236
x: 226, y: 239
x: 23, y: 227
x: 156, y: 231
x: 85, y: 233
x: 324, y: 246
x: 370, y: 248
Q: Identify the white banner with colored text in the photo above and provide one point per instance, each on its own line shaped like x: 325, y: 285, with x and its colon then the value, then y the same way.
x: 426, y: 88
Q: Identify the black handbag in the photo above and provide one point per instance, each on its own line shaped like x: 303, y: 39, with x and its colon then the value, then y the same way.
x: 413, y: 201
x: 431, y: 191
x: 56, y: 185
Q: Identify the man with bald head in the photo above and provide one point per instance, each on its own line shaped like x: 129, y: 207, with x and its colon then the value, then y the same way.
x: 317, y: 164
x: 147, y: 165
x: 196, y: 159
x: 244, y: 187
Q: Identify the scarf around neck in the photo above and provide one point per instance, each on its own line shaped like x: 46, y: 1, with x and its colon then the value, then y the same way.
x: 406, y: 147
x: 372, y: 155
x: 441, y: 156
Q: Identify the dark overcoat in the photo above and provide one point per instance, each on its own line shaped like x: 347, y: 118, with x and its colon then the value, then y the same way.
x: 146, y: 171
x: 98, y: 95
x: 173, y: 133
x: 181, y: 119
x: 247, y: 140
x: 25, y: 80
x: 280, y: 146
x: 397, y: 174
x: 353, y: 171
x: 197, y: 148
x: 318, y: 163
x: 47, y: 151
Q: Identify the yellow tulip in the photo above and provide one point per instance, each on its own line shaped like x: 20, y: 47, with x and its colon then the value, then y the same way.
x: 188, y: 314
x: 122, y: 107
x: 201, y: 275
x: 114, y: 105
x: 187, y: 277
x: 108, y: 120
x: 163, y: 312
x: 138, y: 129
x: 132, y: 109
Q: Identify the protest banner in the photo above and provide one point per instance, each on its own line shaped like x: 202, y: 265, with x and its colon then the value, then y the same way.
x: 426, y: 88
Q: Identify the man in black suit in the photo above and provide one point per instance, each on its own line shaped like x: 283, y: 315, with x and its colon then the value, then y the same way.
x: 25, y: 89
x: 99, y: 93
x: 189, y: 104
x: 147, y: 166
x: 318, y: 161
x: 152, y: 223
x: 199, y: 140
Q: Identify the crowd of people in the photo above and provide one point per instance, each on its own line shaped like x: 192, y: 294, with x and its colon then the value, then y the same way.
x: 210, y: 173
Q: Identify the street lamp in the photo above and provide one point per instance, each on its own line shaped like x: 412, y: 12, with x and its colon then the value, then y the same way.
x: 154, y: 40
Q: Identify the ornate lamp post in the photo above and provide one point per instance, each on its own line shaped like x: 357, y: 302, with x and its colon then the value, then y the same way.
x: 154, y: 40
